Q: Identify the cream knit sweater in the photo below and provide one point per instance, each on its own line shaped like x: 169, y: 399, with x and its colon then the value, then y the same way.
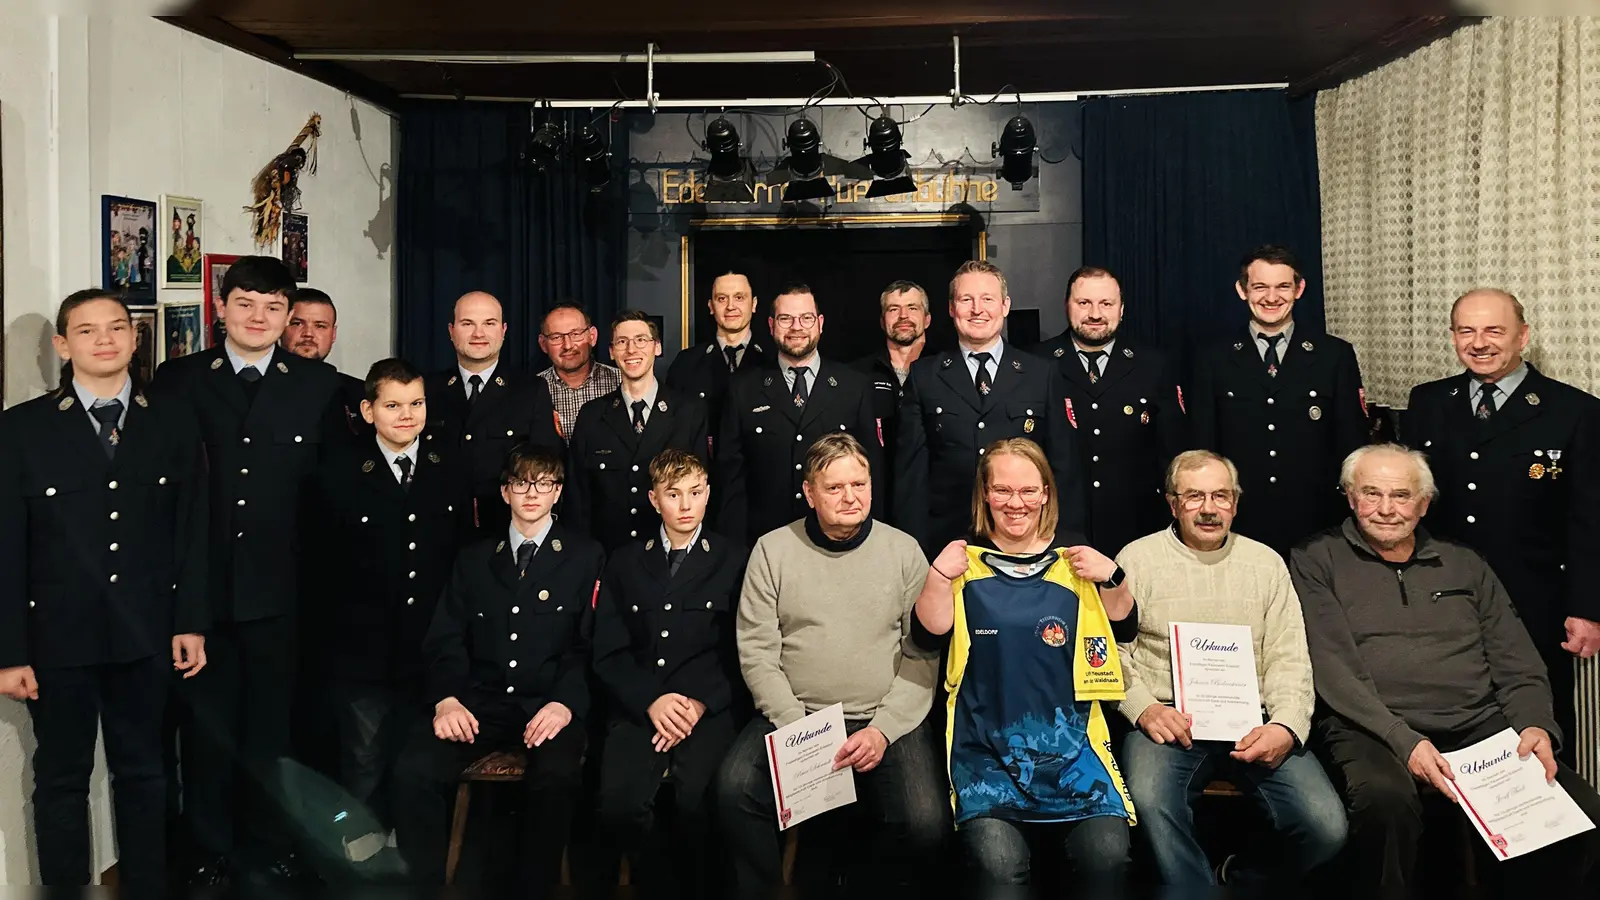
x: 1243, y: 583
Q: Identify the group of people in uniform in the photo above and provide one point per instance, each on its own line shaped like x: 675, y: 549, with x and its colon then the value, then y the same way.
x: 552, y: 562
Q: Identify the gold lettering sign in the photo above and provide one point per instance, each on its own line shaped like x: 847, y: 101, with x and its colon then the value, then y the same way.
x: 684, y: 186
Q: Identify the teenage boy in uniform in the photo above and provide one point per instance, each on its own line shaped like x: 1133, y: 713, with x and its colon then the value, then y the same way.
x: 508, y: 659
x: 665, y: 654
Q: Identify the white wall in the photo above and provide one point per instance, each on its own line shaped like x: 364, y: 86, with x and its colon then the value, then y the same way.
x: 136, y: 107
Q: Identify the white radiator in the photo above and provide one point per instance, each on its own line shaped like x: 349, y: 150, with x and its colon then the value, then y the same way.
x: 1587, y: 676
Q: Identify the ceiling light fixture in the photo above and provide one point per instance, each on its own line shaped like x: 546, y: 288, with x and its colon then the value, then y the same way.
x: 593, y: 155
x: 544, y: 148
x: 1016, y: 148
x: 886, y: 159
x: 729, y: 177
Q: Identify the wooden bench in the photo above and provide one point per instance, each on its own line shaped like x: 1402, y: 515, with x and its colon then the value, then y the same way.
x: 501, y: 766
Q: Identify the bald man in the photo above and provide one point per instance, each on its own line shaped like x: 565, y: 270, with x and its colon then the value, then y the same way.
x: 483, y: 408
x: 1513, y: 452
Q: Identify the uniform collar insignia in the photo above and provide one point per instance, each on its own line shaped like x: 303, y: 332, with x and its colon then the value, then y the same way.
x: 1532, y: 398
x: 832, y: 382
x: 1060, y: 352
x: 650, y: 544
x: 944, y: 363
x: 754, y: 346
x: 1306, y: 345
x: 500, y: 546
x: 65, y: 404
x: 1128, y: 352
x: 1016, y: 364
x: 556, y: 545
x: 616, y: 401
x: 283, y: 368
x: 1238, y: 345
x: 767, y: 381
x: 368, y: 466
x: 661, y: 405
x: 433, y: 458
x: 452, y: 381
x: 711, y: 347
x: 705, y: 545
x: 143, y: 403
x: 1455, y: 391
x: 499, y: 382
x: 216, y: 363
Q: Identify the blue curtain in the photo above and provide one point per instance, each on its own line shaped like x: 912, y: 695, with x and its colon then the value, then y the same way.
x: 1177, y: 187
x: 474, y: 215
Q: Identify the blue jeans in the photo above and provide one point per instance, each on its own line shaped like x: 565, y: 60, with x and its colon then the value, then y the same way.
x: 1096, y: 849
x: 1305, y: 812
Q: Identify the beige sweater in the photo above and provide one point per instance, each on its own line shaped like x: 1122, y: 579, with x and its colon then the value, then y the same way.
x: 1244, y: 583
x: 818, y: 628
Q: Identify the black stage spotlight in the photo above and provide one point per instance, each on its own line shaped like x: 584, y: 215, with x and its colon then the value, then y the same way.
x: 729, y: 178
x: 886, y: 160
x: 806, y: 178
x: 545, y: 145
x: 591, y: 150
x: 1016, y: 151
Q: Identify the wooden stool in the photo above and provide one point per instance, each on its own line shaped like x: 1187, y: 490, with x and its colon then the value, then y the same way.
x: 1220, y: 788
x: 494, y: 767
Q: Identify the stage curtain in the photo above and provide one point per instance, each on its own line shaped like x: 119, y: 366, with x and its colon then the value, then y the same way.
x: 1471, y: 162
x: 475, y: 215
x: 1177, y: 187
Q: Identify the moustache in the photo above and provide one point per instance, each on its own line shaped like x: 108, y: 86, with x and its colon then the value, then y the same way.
x: 1207, y: 518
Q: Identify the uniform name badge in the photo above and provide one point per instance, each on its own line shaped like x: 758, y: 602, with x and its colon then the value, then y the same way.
x: 804, y: 783
x: 1214, y: 679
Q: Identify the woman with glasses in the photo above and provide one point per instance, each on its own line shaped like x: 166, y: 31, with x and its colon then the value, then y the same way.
x: 1032, y: 630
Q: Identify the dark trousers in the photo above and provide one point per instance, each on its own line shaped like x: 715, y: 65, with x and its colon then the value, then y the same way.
x: 631, y: 776
x: 428, y: 770
x: 1094, y: 849
x: 126, y: 700
x: 1385, y: 811
x: 906, y: 797
x: 373, y: 720
x: 237, y: 742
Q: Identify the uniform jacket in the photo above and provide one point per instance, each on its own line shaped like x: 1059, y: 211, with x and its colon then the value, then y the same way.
x: 764, y: 437
x: 944, y: 423
x: 1287, y: 435
x: 260, y: 456
x: 658, y: 633
x: 512, y: 407
x: 608, y: 486
x: 378, y: 555
x: 1129, y: 425
x: 702, y: 372
x: 1522, y: 488
x: 887, y: 393
x: 101, y: 561
x: 522, y: 638
x: 352, y: 391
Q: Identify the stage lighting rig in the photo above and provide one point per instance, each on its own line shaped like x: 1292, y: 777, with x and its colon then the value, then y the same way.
x: 593, y: 154
x: 886, y: 160
x: 807, y: 168
x: 544, y: 148
x: 729, y: 176
x: 1016, y: 149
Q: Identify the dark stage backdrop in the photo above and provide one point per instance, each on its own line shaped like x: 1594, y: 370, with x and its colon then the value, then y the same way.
x: 474, y: 215
x: 847, y: 270
x: 1177, y: 187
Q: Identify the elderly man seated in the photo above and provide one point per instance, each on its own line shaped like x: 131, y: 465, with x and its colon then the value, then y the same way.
x: 1416, y: 650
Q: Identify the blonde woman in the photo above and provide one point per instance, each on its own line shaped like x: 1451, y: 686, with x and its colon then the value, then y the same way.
x: 1032, y: 630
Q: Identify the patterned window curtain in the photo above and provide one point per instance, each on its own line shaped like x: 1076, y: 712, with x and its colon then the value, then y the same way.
x: 1474, y: 162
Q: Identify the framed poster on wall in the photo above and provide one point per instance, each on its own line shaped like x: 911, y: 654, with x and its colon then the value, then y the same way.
x: 183, y: 329
x: 181, y: 252
x: 216, y: 267
x: 128, y: 259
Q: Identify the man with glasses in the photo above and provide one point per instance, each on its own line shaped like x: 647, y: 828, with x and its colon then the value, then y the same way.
x: 772, y: 417
x: 705, y: 370
x: 960, y: 401
x: 574, y: 376
x: 481, y: 408
x: 508, y: 658
x: 903, y: 313
x: 618, y: 434
x: 1199, y: 571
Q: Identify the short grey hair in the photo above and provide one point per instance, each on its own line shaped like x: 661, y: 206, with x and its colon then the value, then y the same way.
x: 1189, y: 460
x: 1419, y: 461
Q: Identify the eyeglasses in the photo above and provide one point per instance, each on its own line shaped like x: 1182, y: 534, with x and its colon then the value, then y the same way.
x: 569, y: 337
x: 786, y: 321
x: 1373, y: 497
x: 1197, y: 499
x: 542, y: 486
x: 642, y: 342
x: 1030, y: 496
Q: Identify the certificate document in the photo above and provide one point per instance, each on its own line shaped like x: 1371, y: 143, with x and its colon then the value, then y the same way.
x: 1214, y: 679
x: 803, y: 780
x: 1510, y: 804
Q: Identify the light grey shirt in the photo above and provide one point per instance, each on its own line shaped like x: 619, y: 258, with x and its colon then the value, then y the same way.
x: 812, y: 363
x: 1261, y: 341
x: 1100, y: 364
x: 996, y: 350
x: 390, y: 457
x: 517, y: 540
x: 486, y: 376
x: 238, y: 362
x: 649, y: 399
x: 744, y: 347
x: 89, y: 400
x: 666, y: 542
x: 1506, y: 388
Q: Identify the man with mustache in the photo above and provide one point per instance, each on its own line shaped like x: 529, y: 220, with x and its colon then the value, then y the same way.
x: 1284, y: 404
x: 313, y: 327
x: 960, y: 401
x: 903, y: 308
x: 617, y: 435
x: 1512, y: 449
x: 773, y: 416
x: 574, y: 376
x: 1126, y: 405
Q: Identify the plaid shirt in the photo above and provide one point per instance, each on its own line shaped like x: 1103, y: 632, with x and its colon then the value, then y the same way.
x: 602, y: 380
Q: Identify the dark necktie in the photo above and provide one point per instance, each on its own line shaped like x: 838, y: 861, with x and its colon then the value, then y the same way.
x: 732, y: 353
x: 801, y: 392
x: 1091, y: 359
x: 524, y: 556
x: 403, y: 463
x: 675, y: 559
x: 251, y: 376
x: 985, y: 385
x: 638, y: 416
x: 1271, y: 356
x: 107, y: 415
x: 476, y: 385
x: 1486, y: 407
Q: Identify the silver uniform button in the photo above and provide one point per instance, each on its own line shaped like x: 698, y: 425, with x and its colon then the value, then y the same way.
x: 114, y: 513
x: 1471, y: 519
x: 511, y: 434
x: 708, y: 604
x: 113, y: 547
x: 799, y: 437
x: 1097, y: 431
x: 509, y: 689
x: 411, y: 601
x: 980, y: 424
x: 544, y: 595
x: 469, y: 437
x: 1094, y: 406
x: 1097, y: 484
x: 1269, y: 401
x: 412, y: 545
x: 1471, y: 486
x: 1272, y: 453
x: 668, y: 607
x: 241, y: 502
x: 663, y: 634
x: 636, y: 468
x: 410, y: 518
x: 363, y: 520
x: 633, y: 534
x: 660, y: 663
x: 51, y: 492
x: 513, y: 635
x: 1095, y: 459
x: 161, y: 480
x: 112, y: 485
x: 1474, y: 453
x: 797, y: 467
x: 1271, y: 427
x: 1272, y: 479
x: 797, y: 496
x: 297, y: 439
x: 633, y: 512
x: 247, y: 440
x: 244, y: 471
x: 513, y: 664
x: 411, y: 575
x: 758, y: 429
x: 113, y: 578
x: 515, y: 610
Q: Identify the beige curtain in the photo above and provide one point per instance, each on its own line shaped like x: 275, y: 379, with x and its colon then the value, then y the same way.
x: 1472, y: 162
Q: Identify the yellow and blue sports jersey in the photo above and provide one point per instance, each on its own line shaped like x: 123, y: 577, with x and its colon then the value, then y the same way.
x: 1031, y: 657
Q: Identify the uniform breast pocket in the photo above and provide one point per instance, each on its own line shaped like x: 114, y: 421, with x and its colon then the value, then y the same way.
x: 300, y: 446
x: 1027, y: 417
x: 1538, y: 471
x: 47, y: 489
